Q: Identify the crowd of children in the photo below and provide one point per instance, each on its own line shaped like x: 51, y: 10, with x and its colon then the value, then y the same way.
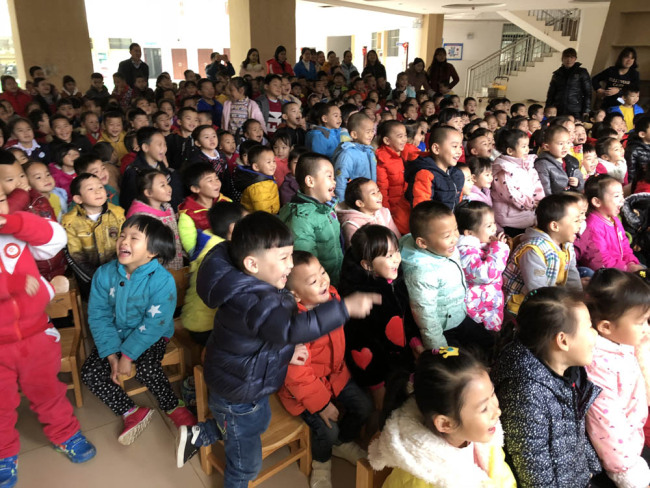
x: 364, y: 252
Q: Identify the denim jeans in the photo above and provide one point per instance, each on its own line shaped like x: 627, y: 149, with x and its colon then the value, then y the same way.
x: 357, y: 407
x: 240, y: 426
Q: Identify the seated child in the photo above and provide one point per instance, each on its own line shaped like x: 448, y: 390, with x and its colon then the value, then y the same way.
x: 637, y: 151
x: 589, y: 161
x: 93, y: 227
x: 22, y: 137
x: 543, y: 390
x: 228, y: 148
x: 325, y: 135
x: 310, y: 214
x: 205, y: 138
x: 292, y: 117
x: 604, y: 243
x: 255, y: 182
x: 90, y: 125
x: 205, y: 186
x: 40, y: 179
x: 90, y: 163
x: 281, y: 148
x: 113, y: 133
x: 558, y: 171
x: 427, y: 442
x: 545, y: 256
x: 196, y: 316
x: 390, y: 163
x: 131, y: 318
x: 63, y: 133
x: 29, y: 345
x: 316, y: 389
x: 483, y: 256
x: 180, y: 145
x: 357, y: 158
x: 481, y: 178
x: 255, y: 331
x: 629, y: 109
x: 289, y: 186
x: 620, y: 308
x: 252, y: 130
x: 611, y: 159
x: 154, y: 195
x: 362, y: 205
x: 107, y: 154
x: 62, y: 169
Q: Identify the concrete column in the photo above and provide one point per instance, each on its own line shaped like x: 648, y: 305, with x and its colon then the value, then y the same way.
x: 263, y: 25
x: 431, y: 36
x: 54, y: 36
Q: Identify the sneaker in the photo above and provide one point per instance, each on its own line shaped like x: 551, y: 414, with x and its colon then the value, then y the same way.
x: 350, y: 451
x: 8, y: 472
x: 181, y: 416
x: 188, y: 392
x: 77, y: 448
x: 186, y: 442
x: 134, y: 424
x: 321, y: 475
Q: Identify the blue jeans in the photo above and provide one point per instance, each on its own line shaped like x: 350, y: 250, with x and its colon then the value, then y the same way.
x: 357, y: 408
x: 240, y: 426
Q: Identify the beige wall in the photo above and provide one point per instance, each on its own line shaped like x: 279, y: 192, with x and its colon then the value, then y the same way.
x: 56, y: 38
x: 431, y: 36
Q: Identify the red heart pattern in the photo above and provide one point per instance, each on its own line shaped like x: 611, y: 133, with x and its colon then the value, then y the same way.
x: 362, y: 358
x: 395, y: 331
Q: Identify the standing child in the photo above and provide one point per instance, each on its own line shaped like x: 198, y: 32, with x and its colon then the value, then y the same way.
x: 290, y: 186
x: 481, y: 177
x: 90, y: 124
x: 62, y: 169
x: 620, y: 308
x: 208, y: 103
x: 325, y: 136
x: 131, y: 318
x: 541, y: 383
x: 292, y: 118
x: 206, y: 140
x: 589, y: 161
x: 637, y: 151
x: 390, y: 164
x: 180, y: 146
x: 558, y: 171
x: 255, y: 182
x: 240, y: 107
x: 270, y: 103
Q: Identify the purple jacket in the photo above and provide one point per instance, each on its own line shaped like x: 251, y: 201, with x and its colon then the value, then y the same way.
x: 480, y: 195
x: 288, y: 189
x: 604, y: 244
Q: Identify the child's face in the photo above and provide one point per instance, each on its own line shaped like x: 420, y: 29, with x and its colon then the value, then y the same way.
x: 20, y: 156
x: 271, y: 265
x: 582, y: 341
x: 39, y: 178
x: 492, y: 123
x: 310, y: 284
x: 365, y: 132
x: 161, y: 190
x: 428, y: 109
x: 484, y: 179
x: 333, y: 118
x: 168, y: 108
x: 273, y: 89
x: 189, y: 121
x: 163, y: 123
x: 534, y: 125
x: 631, y: 98
x: 67, y: 111
x: 24, y: 133
x: 113, y: 126
x: 255, y: 132
x: 140, y: 121
x: 589, y: 161
x: 628, y: 329
x: 522, y: 148
x: 91, y: 123
x: 12, y: 176
x: 69, y: 159
x: 156, y: 148
x: 456, y: 123
x: 321, y: 184
x: 411, y: 113
x: 62, y: 129
x: 441, y: 236
x: 567, y: 228
x: 550, y: 112
x: 402, y: 81
x: 207, y: 90
x: 420, y: 133
x: 205, y: 118
x: 145, y: 106
x: 616, y: 152
x: 619, y: 125
x: 481, y: 147
x: 580, y: 134
x: 119, y: 83
x: 600, y: 116
x: 98, y: 169
x: 140, y: 83
x: 396, y: 139
x: 296, y: 91
x: 207, y: 140
x: 91, y: 193
x: 467, y: 187
x: 227, y: 144
x: 293, y: 115
x: 487, y: 229
x: 387, y: 266
x: 471, y: 106
x: 449, y: 151
x: 612, y: 202
x: 281, y: 149
x: 371, y: 198
x: 209, y: 186
x: 132, y: 249
x: 319, y: 87
x: 502, y: 120
x: 97, y: 83
x: 286, y: 87
x: 265, y: 163
x: 559, y: 146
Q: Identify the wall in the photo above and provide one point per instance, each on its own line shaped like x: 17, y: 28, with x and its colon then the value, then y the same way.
x: 532, y: 84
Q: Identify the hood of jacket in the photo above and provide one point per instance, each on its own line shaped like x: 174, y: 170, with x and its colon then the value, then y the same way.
x: 345, y: 214
x: 138, y: 206
x: 245, y: 177
x: 427, y: 162
x: 509, y: 164
x: 353, y: 146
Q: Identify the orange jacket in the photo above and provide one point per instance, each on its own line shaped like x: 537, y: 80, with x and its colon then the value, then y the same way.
x: 390, y: 176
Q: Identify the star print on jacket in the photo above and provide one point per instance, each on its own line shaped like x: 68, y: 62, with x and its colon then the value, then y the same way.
x: 142, y: 328
x: 154, y: 310
x: 112, y: 291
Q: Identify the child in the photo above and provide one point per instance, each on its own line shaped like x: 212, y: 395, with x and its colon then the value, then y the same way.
x: 162, y: 121
x: 255, y: 182
x: 206, y: 140
x: 390, y: 165
x: 205, y: 186
x: 357, y: 158
x: 63, y: 134
x: 97, y: 90
x: 252, y: 130
x: 180, y: 146
x: 62, y: 169
x: 107, y: 153
x: 483, y: 256
x: 130, y: 314
x: 240, y: 107
x: 21, y: 130
x: 542, y: 386
x: 154, y: 195
x: 228, y: 147
x: 290, y: 186
x: 326, y: 133
x: 122, y: 92
x: 281, y: 147
x: 516, y: 188
x: 620, y: 307
x: 481, y: 178
x: 310, y: 214
x: 468, y: 184
x: 630, y: 95
x: 90, y: 163
x: 270, y: 103
x: 545, y: 256
x: 196, y: 316
x: 93, y: 226
x: 90, y: 124
x: 611, y: 159
x: 637, y: 152
x: 40, y: 179
x: 292, y: 117
x: 604, y: 243
x: 589, y: 161
x: 317, y: 389
x: 208, y: 103
x: 30, y: 347
x: 253, y: 339
x: 447, y: 432
x: 558, y: 171
x: 363, y: 205
x: 113, y: 132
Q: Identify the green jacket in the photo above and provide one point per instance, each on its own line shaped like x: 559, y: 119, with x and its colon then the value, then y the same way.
x: 316, y: 230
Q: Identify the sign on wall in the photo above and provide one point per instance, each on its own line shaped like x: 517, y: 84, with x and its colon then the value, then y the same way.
x: 454, y: 51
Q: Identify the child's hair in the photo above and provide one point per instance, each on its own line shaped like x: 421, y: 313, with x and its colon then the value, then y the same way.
x: 385, y: 128
x: 63, y: 151
x: 134, y: 112
x: 296, y: 152
x: 103, y: 150
x: 467, y: 100
x: 7, y: 157
x: 516, y: 121
x: 256, y: 152
x: 423, y: 213
x: 17, y: 150
x: 257, y: 232
x: 113, y: 114
x: 353, y: 191
x: 596, y: 186
x: 247, y: 125
x: 160, y: 238
x: 130, y: 141
x: 642, y: 124
x: 612, y: 292
x: 588, y: 148
x: 75, y: 184
x: 412, y: 126
x: 469, y: 215
x: 478, y: 165
x: 602, y: 131
x: 18, y: 120
x: 97, y: 76
x: 509, y: 139
x: 145, y: 134
x: 545, y: 313
x: 347, y: 109
x: 308, y: 165
x: 515, y: 108
x: 355, y: 121
x: 447, y: 114
x: 196, y: 133
x: 552, y: 208
x: 194, y: 173
x: 82, y: 162
x: 56, y: 117
x: 282, y: 135
x: 439, y: 135
x: 182, y: 111
x: 144, y: 181
x: 245, y: 147
x: 319, y: 111
x: 627, y: 89
x: 222, y: 214
x: 533, y: 109
x: 604, y: 145
x: 238, y: 82
x: 371, y: 241
x: 552, y: 131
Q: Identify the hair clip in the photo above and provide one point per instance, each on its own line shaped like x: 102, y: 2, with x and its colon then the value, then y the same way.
x: 446, y: 351
x: 528, y: 297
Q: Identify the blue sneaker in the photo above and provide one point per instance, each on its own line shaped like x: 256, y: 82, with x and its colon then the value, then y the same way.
x: 8, y: 472
x: 77, y: 448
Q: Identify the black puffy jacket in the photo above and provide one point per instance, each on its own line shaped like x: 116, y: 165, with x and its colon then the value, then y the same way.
x: 637, y: 155
x: 570, y: 90
x: 255, y: 329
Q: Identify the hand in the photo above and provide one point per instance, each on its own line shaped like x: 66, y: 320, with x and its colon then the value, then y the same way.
x: 113, y: 361
x: 612, y: 91
x: 3, y: 221
x: 633, y: 267
x: 224, y: 58
x: 501, y: 237
x: 573, y: 181
x: 330, y: 412
x: 124, y: 366
x: 300, y: 355
x: 359, y: 305
x: 31, y: 285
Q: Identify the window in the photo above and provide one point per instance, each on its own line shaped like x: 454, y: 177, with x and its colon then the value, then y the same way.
x: 373, y: 43
x: 392, y: 38
x: 119, y: 43
x: 511, y: 33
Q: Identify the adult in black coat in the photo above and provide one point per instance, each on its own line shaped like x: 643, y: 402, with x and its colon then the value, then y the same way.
x: 608, y: 83
x: 570, y: 87
x: 373, y: 65
x: 134, y: 66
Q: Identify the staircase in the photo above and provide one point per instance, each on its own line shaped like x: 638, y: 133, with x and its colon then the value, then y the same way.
x: 550, y: 31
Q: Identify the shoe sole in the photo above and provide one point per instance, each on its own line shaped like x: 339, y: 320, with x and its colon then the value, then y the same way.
x: 129, y: 437
x: 181, y: 441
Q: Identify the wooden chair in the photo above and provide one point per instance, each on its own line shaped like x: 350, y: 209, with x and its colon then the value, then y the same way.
x: 182, y: 336
x: 60, y: 306
x: 284, y: 430
x: 368, y: 477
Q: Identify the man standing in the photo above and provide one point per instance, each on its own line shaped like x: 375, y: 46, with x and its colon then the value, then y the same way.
x: 134, y: 66
x: 570, y: 87
x: 219, y: 65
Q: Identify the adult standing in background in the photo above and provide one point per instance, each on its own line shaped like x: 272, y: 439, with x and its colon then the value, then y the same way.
x: 570, y: 87
x: 373, y: 65
x: 608, y: 83
x: 347, y: 67
x: 134, y: 66
x: 219, y: 65
x: 251, y: 65
x: 441, y: 71
x: 305, y: 67
x: 278, y: 65
x: 417, y: 77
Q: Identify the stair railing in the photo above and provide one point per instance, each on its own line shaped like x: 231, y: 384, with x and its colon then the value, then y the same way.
x: 566, y: 21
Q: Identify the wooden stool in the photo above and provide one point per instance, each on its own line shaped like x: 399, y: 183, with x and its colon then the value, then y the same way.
x: 368, y: 477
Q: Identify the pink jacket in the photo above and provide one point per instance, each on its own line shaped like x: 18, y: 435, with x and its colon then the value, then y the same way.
x: 254, y: 112
x: 516, y: 190
x: 604, y: 244
x: 483, y: 265
x: 615, y: 420
x: 351, y: 220
x: 62, y: 179
x: 480, y: 195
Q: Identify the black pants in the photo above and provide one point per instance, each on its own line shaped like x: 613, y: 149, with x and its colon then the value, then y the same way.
x: 201, y: 338
x: 474, y: 336
x: 513, y: 231
x: 96, y: 374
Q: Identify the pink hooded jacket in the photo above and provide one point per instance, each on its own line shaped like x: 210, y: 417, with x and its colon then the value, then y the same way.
x: 480, y: 195
x: 351, y: 220
x: 604, y: 244
x: 516, y: 191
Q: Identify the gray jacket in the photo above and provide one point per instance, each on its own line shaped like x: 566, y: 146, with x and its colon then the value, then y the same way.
x: 555, y: 178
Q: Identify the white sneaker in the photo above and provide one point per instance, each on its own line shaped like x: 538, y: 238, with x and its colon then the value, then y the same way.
x: 350, y: 451
x: 321, y: 475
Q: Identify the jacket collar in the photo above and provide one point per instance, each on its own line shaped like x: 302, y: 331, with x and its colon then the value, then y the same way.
x: 140, y: 272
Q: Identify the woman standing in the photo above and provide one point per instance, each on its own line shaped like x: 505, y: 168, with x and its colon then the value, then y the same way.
x: 251, y: 65
x: 608, y: 83
x: 373, y: 65
x: 441, y: 71
x: 305, y: 67
x: 416, y: 75
x: 278, y: 65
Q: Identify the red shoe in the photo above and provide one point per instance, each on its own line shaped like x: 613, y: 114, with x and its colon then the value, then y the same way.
x: 181, y: 416
x: 134, y: 424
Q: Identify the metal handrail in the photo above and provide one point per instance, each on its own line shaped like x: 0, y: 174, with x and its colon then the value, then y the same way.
x: 565, y: 21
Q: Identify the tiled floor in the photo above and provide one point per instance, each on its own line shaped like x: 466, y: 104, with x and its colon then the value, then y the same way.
x: 147, y: 463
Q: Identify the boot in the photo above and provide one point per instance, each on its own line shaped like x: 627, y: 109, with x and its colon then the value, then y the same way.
x: 321, y: 475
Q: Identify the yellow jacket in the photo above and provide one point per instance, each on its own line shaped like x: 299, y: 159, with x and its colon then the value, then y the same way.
x: 119, y: 146
x: 258, y: 191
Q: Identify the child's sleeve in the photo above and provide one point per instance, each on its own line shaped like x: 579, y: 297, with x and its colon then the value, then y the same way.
x: 382, y: 181
x: 315, y: 141
x: 306, y: 387
x: 544, y: 176
x: 304, y: 236
x: 483, y: 271
x: 533, y: 270
x: 187, y: 232
x: 423, y: 295
x: 343, y: 169
x: 422, y: 187
x: 573, y: 281
x: 101, y: 315
x: 44, y: 236
x: 596, y: 249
